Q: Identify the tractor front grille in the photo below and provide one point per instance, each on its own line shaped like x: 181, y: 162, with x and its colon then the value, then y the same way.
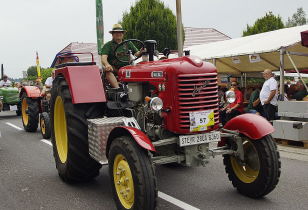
x: 191, y: 101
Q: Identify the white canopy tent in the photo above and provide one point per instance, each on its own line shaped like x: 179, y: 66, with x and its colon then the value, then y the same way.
x: 257, y: 52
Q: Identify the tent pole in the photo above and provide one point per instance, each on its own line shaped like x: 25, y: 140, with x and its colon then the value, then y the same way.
x: 282, y: 53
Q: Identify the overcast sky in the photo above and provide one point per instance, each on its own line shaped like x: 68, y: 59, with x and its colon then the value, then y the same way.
x: 47, y: 26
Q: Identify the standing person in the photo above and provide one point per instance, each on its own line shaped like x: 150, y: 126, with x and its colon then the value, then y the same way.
x: 5, y: 82
x: 233, y: 109
x: 268, y: 95
x: 112, y: 65
x: 254, y: 105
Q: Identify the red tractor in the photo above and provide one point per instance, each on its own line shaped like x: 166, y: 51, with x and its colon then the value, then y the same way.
x: 166, y: 112
x: 35, y: 110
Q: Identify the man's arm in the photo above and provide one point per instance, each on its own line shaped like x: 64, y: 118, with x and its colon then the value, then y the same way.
x: 271, y: 96
x: 105, y: 62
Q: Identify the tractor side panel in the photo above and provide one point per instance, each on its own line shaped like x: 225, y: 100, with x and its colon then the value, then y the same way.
x: 85, y: 83
x: 251, y: 125
x: 31, y: 91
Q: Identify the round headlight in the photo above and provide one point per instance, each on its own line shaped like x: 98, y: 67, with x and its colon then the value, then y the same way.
x: 230, y: 96
x: 156, y: 104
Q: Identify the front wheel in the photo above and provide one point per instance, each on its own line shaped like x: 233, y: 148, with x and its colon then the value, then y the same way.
x: 132, y: 174
x: 259, y: 173
x: 45, y: 125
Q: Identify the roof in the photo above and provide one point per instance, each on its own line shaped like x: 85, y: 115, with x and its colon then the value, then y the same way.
x: 82, y: 48
x: 197, y: 36
x: 234, y: 55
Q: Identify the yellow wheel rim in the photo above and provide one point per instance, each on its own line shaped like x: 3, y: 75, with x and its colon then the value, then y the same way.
x: 60, y: 129
x: 248, y: 170
x: 43, y: 126
x: 24, y: 108
x: 123, y: 181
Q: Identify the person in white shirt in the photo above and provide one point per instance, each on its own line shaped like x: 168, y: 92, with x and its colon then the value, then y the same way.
x: 5, y: 82
x: 48, y: 85
x: 268, y: 95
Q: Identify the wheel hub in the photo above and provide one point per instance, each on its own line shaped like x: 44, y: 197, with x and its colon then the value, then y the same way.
x: 123, y: 180
x: 248, y: 170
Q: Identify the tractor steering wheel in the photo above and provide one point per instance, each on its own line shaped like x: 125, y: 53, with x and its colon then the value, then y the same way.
x: 126, y: 54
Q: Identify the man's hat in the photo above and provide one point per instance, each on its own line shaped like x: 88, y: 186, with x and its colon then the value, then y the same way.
x: 117, y: 28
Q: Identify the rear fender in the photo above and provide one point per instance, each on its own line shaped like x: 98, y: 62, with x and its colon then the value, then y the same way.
x: 85, y: 83
x: 31, y: 91
x: 253, y: 126
x: 140, y: 138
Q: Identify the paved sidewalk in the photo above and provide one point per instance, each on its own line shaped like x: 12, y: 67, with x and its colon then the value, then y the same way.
x: 293, y: 153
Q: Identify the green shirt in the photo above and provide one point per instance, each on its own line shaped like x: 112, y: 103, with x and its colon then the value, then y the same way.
x: 108, y: 49
x: 253, y: 97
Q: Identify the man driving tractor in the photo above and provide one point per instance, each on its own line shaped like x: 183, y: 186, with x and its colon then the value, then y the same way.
x: 112, y: 65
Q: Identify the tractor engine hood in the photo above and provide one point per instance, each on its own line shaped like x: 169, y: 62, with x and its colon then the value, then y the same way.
x: 164, y: 70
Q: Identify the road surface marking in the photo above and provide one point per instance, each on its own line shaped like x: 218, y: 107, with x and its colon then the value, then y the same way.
x: 161, y: 195
x: 46, y: 142
x: 14, y: 126
x: 176, y: 202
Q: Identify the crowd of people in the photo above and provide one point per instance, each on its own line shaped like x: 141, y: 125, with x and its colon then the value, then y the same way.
x: 258, y: 99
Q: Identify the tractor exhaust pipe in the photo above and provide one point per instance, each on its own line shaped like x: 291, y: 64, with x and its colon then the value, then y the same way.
x: 179, y: 27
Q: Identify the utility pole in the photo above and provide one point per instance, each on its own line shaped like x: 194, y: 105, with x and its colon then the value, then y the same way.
x: 99, y: 25
x: 179, y: 27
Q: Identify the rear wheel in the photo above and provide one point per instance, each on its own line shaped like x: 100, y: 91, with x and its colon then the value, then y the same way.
x: 132, y: 174
x: 30, y: 113
x: 69, y: 130
x: 259, y: 173
x: 45, y: 125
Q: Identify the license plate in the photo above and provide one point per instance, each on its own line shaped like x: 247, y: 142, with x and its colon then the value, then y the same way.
x: 13, y: 108
x: 199, y: 138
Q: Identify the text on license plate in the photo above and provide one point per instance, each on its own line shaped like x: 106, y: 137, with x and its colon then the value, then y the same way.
x: 199, y: 138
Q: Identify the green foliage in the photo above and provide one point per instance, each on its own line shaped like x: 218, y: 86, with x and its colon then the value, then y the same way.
x: 45, y: 73
x: 31, y: 71
x: 297, y: 19
x: 151, y: 19
x: 269, y: 22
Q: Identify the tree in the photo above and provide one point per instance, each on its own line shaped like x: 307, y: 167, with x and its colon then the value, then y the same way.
x: 150, y: 19
x: 269, y: 22
x: 297, y: 19
x: 31, y: 71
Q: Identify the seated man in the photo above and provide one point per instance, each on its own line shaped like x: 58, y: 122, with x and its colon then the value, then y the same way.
x: 254, y: 105
x: 112, y: 65
x: 48, y: 85
x: 5, y: 82
x: 232, y: 109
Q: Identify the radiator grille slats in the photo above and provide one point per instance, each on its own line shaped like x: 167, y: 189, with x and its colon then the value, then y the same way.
x: 194, y: 95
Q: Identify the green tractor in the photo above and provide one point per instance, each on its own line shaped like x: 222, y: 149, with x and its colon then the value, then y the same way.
x: 9, y: 100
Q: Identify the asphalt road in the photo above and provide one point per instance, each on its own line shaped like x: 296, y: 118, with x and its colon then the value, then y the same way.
x: 29, y: 180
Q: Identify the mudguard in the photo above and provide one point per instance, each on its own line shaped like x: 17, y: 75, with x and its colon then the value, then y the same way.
x: 31, y: 91
x: 140, y: 137
x: 85, y: 83
x: 251, y: 125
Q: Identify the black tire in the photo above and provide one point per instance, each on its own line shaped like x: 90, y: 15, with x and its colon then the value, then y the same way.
x: 79, y: 166
x: 142, y: 172
x: 267, y: 168
x: 45, y: 125
x: 18, y: 111
x: 30, y: 117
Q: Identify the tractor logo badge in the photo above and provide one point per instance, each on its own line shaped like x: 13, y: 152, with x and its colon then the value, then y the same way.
x: 197, y: 89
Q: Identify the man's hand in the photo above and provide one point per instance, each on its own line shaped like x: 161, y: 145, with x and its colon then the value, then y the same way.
x: 256, y: 102
x: 108, y: 68
x: 266, y: 102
